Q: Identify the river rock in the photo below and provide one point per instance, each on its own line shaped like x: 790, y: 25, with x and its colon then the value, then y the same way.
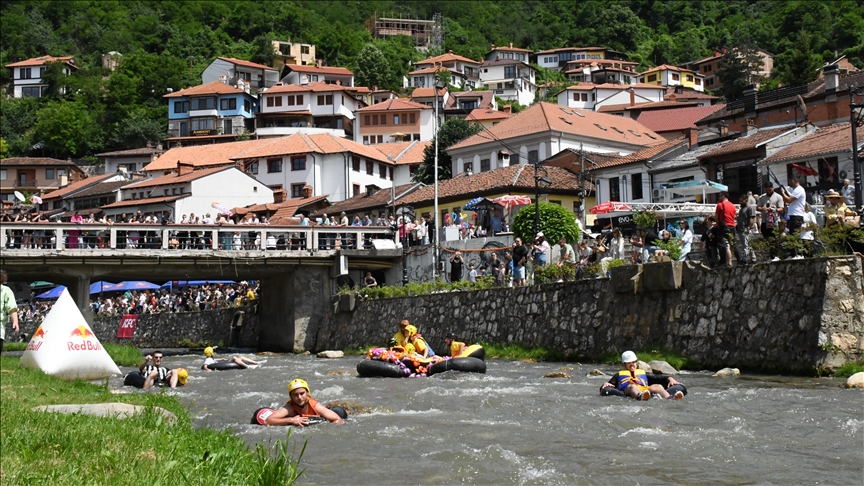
x: 118, y: 410
x: 331, y: 354
x: 728, y: 372
x: 855, y: 381
x: 557, y: 374
x: 642, y: 365
x: 596, y: 372
x: 662, y: 367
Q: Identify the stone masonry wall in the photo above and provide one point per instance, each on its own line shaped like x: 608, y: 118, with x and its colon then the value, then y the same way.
x: 168, y: 330
x: 784, y: 316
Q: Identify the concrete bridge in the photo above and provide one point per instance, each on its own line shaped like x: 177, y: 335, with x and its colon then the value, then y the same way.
x: 298, y: 265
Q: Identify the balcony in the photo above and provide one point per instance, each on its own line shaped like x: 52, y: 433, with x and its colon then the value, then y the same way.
x: 204, y: 133
x: 282, y: 131
x: 25, y: 183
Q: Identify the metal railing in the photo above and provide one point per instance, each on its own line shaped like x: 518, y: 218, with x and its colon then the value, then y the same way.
x: 70, y: 236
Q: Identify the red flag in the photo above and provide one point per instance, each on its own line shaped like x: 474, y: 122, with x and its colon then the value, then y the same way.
x: 127, y: 326
x: 805, y: 171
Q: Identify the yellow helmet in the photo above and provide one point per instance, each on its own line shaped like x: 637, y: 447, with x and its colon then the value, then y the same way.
x: 298, y: 383
x: 208, y: 351
x: 409, y: 348
x: 182, y: 376
x: 412, y: 330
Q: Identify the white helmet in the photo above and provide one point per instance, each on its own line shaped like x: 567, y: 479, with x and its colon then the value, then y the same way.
x: 628, y: 357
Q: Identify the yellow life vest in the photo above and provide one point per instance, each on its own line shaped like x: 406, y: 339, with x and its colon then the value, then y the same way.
x: 456, y: 349
x: 640, y: 378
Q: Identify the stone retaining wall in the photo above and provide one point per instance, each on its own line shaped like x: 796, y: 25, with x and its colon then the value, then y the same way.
x: 785, y: 316
x: 168, y: 330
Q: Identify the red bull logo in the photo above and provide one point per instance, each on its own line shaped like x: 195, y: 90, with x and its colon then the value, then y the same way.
x: 40, y: 333
x: 35, y: 344
x: 84, y: 334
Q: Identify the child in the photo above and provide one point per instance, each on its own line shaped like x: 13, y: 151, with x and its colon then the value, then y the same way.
x: 472, y: 273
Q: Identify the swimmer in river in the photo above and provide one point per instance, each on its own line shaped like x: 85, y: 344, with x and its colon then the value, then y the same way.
x: 300, y: 409
x: 639, y: 384
x: 209, y: 360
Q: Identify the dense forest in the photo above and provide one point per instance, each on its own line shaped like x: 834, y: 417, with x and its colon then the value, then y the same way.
x: 167, y: 44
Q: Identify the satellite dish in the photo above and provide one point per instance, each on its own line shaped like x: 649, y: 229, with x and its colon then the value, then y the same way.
x: 19, y: 196
x: 802, y: 106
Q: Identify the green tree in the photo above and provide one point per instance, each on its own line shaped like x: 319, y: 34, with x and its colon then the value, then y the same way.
x: 372, y: 67
x: 798, y: 65
x: 452, y: 132
x: 4, y: 148
x: 556, y: 222
x: 68, y: 128
x: 738, y: 68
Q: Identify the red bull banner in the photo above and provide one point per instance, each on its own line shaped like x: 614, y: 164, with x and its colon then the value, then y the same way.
x: 127, y: 326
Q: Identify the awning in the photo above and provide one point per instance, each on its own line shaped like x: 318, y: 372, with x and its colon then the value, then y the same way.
x: 692, y: 188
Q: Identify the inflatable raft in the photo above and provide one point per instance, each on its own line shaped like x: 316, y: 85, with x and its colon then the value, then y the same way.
x: 385, y: 363
x: 260, y: 415
x: 614, y: 392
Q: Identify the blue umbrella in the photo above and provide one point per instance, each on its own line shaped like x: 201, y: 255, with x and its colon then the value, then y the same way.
x: 479, y: 203
x: 194, y: 283
x: 135, y: 285
x: 52, y: 294
x: 95, y: 288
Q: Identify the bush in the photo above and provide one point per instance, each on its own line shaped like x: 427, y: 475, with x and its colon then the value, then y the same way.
x: 553, y: 273
x: 556, y: 222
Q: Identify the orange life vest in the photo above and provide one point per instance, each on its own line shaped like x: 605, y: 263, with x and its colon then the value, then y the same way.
x: 311, y: 406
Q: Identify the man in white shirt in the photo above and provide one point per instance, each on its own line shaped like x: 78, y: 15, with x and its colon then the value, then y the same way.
x: 795, y: 199
x: 848, y: 190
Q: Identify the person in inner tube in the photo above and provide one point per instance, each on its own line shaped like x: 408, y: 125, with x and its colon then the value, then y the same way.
x: 210, y: 360
x: 300, y: 407
x: 638, y: 383
x: 456, y: 348
x: 420, y: 345
x: 154, y: 373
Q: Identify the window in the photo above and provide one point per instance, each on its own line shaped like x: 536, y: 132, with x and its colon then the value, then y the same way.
x: 298, y: 163
x: 484, y: 165
x: 274, y: 101
x: 34, y: 92
x: 252, y: 167
x: 509, y: 72
x: 202, y: 124
x: 675, y: 77
x: 533, y: 157
x: 380, y: 138
x: 468, y: 105
x: 416, y: 137
x: 636, y: 181
x: 395, y: 119
x: 61, y: 173
x: 297, y: 190
x: 651, y: 78
x: 584, y: 96
x: 247, y: 106
x: 355, y: 161
x: 304, y: 49
x: 227, y: 126
x: 383, y: 119
x: 49, y: 173
x: 698, y: 82
x: 515, y: 159
x: 365, y: 140
x: 274, y: 165
x: 325, y: 100
x: 412, y: 118
x: 25, y: 73
x: 203, y: 103
x: 164, y: 192
x: 615, y: 189
x: 370, y: 167
x: 289, y: 100
x: 382, y: 170
x: 413, y: 168
x: 228, y: 104
x: 374, y: 120
x: 366, y: 120
x: 3, y: 174
x: 174, y: 190
x: 468, y: 167
x: 355, y: 189
x: 390, y: 172
x: 419, y: 81
x: 689, y: 78
x: 181, y: 107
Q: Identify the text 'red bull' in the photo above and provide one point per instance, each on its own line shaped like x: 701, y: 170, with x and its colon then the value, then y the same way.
x: 33, y: 346
x: 85, y: 346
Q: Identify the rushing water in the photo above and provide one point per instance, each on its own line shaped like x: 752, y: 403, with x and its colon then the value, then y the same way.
x: 512, y: 426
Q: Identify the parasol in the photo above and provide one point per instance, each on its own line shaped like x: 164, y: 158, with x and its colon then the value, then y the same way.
x: 609, y: 207
x: 511, y: 201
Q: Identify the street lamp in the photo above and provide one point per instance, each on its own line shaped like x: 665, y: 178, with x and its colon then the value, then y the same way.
x: 539, y: 181
x: 436, y: 217
x: 856, y: 120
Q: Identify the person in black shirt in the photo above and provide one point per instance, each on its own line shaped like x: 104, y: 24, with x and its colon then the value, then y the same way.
x: 456, y: 262
x: 520, y: 257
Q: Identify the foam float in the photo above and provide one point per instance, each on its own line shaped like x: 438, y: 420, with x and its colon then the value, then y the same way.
x: 65, y: 346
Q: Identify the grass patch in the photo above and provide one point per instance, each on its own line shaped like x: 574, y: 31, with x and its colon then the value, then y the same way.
x: 676, y: 360
x: 518, y: 352
x: 122, y: 354
x: 849, y: 369
x: 46, y: 448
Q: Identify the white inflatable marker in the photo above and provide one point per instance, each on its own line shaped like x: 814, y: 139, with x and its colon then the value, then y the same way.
x: 65, y: 346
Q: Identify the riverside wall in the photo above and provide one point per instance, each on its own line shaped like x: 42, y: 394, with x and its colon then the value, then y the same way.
x: 789, y: 316
x: 237, y: 327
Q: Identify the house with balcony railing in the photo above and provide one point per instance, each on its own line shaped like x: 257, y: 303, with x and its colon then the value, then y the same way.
x: 509, y: 79
x: 27, y: 75
x: 318, y: 74
x: 310, y: 108
x: 227, y: 69
x: 559, y: 59
x: 35, y: 175
x: 210, y: 113
x: 465, y: 73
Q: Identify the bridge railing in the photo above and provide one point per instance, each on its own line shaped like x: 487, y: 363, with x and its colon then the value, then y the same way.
x: 68, y: 236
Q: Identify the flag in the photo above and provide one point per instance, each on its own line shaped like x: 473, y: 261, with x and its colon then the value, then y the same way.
x: 805, y: 171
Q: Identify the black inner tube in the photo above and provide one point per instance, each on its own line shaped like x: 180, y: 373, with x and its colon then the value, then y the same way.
x: 614, y: 392
x: 224, y: 365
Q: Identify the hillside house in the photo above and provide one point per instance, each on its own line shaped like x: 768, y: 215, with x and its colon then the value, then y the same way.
x: 27, y: 79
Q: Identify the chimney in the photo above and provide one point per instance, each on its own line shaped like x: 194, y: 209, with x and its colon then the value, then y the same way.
x: 493, y: 47
x: 374, y: 88
x: 307, y: 191
x: 672, y: 97
x: 223, y: 78
x: 450, y: 51
x: 511, y: 45
x: 832, y: 77
x: 750, y: 127
x: 632, y: 96
x: 750, y: 102
x: 724, y: 129
x: 371, y: 189
x: 318, y: 63
x: 184, y: 168
x: 693, y: 136
x: 507, y: 109
x: 64, y: 180
x: 279, y: 196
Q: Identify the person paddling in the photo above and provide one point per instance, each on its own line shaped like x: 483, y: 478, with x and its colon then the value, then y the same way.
x: 639, y: 384
x: 300, y: 409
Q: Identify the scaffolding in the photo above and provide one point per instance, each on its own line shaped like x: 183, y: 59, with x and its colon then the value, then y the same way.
x: 427, y: 34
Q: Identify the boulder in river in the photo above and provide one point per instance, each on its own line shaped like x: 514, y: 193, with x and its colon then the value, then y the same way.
x: 728, y: 372
x: 596, y: 372
x: 662, y: 367
x: 557, y: 374
x: 855, y: 381
x: 643, y: 365
x: 118, y: 410
x: 331, y: 354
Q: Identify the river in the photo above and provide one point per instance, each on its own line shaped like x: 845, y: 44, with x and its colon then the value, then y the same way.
x: 512, y: 426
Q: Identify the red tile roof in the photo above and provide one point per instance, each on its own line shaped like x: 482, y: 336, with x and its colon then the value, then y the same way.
x: 338, y: 71
x: 396, y: 104
x: 676, y: 119
x: 436, y: 69
x: 205, y: 155
x: 101, y: 188
x: 174, y: 178
x: 747, y: 142
x: 510, y: 49
x: 427, y: 93
x: 248, y: 64
x: 487, y: 97
x: 402, y: 153
x: 645, y: 154
x: 544, y: 117
x: 304, y: 88
x: 145, y: 201
x: 448, y: 57
x: 285, y: 209
x: 667, y: 67
x: 19, y: 161
x: 480, y: 114
x: 651, y: 105
x: 364, y: 202
x: 825, y: 140
x: 322, y: 143
x: 687, y: 94
x: 212, y: 88
x: 76, y: 186
x: 513, y: 179
x: 39, y: 61
x: 132, y: 152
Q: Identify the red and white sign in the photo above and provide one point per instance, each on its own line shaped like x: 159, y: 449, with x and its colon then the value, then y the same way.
x: 127, y: 326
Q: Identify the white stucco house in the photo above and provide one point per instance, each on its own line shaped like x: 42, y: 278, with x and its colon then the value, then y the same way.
x: 27, y: 79
x: 509, y: 79
x: 131, y: 160
x: 588, y: 96
x: 229, y: 71
x: 394, y: 120
x: 309, y: 108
